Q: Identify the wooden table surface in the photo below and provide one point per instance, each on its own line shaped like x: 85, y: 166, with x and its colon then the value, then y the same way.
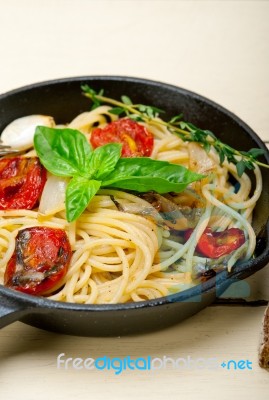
x: 219, y: 49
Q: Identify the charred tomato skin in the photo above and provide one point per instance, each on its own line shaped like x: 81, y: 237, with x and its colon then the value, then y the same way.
x: 40, y: 260
x: 22, y: 180
x: 216, y: 244
x: 136, y: 140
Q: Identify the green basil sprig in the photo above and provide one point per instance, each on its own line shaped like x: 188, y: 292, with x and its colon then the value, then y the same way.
x: 67, y: 153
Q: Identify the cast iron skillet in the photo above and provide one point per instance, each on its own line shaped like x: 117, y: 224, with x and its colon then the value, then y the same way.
x: 63, y: 100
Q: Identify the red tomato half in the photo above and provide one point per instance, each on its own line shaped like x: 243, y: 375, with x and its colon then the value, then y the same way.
x: 217, y: 244
x: 135, y: 139
x: 41, y: 258
x: 21, y: 182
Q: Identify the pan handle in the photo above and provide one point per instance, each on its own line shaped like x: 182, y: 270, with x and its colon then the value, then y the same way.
x: 10, y: 311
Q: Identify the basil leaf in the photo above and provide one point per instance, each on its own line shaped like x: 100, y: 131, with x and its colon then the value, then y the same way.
x: 104, y: 160
x: 146, y: 184
x: 145, y: 174
x: 66, y: 152
x: 63, y: 152
x: 79, y: 193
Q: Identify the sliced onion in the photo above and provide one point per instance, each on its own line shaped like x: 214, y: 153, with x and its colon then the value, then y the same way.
x: 53, y: 195
x: 87, y: 120
x: 200, y: 162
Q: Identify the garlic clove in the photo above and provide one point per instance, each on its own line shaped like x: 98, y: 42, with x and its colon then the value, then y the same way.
x: 19, y: 133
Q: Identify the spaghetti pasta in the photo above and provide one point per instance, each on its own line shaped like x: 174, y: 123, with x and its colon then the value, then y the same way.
x: 131, y: 252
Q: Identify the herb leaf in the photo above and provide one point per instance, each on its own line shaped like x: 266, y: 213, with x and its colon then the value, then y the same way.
x: 66, y: 152
x: 79, y: 193
x: 126, y: 100
x: 94, y: 95
x: 255, y: 152
x: 175, y: 120
x: 240, y: 167
x: 116, y: 110
x: 104, y: 160
x: 63, y: 152
x: 145, y: 174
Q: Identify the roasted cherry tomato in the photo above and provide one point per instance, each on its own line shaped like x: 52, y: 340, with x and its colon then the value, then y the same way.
x: 40, y: 260
x: 21, y: 182
x: 217, y: 244
x: 135, y: 139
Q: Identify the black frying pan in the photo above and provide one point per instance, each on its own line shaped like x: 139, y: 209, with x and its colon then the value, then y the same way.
x: 63, y: 100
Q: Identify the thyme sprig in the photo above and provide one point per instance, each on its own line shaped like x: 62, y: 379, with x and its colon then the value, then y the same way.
x: 185, y: 130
